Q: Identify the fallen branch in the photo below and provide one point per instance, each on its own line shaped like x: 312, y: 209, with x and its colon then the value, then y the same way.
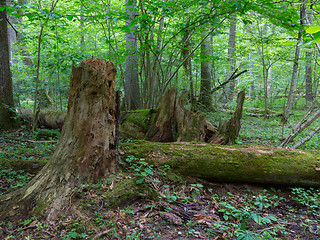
x: 99, y: 235
x: 232, y: 77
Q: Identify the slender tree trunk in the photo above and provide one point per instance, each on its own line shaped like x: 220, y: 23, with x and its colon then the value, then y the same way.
x: 206, y: 79
x: 185, y: 54
x: 87, y: 148
x: 296, y: 62
x: 229, y: 88
x: 7, y: 120
x: 251, y: 86
x: 37, y: 80
x: 132, y: 89
x: 308, y: 67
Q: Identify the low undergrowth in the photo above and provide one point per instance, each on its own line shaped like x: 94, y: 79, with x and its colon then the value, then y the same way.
x: 144, y: 201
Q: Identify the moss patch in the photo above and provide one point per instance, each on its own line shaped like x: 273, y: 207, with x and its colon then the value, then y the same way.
x: 127, y: 191
x: 136, y: 123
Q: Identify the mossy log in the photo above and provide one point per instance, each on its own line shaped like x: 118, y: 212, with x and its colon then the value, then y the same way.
x: 233, y: 164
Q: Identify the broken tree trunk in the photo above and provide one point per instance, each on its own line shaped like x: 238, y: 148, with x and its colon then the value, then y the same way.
x: 229, y: 130
x: 232, y: 164
x: 87, y: 149
x: 174, y: 123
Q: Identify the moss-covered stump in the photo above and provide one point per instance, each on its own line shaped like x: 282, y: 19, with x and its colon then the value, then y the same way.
x: 233, y: 164
x: 126, y: 191
x: 135, y: 124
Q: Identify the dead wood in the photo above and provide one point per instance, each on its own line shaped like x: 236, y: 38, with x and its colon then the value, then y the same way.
x: 229, y: 130
x: 233, y: 164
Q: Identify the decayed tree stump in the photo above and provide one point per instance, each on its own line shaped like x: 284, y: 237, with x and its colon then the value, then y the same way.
x: 87, y: 148
x: 174, y: 123
x: 229, y: 130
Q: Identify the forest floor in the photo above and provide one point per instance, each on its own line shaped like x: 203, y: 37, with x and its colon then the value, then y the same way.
x: 152, y: 203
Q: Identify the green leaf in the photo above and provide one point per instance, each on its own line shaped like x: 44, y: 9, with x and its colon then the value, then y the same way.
x: 140, y: 181
x: 290, y: 43
x: 316, y: 37
x: 70, y: 17
x: 73, y: 235
x: 312, y: 30
x: 2, y: 8
x: 149, y: 171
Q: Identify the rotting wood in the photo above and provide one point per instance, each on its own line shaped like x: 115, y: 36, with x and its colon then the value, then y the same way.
x: 86, y: 150
x: 263, y: 165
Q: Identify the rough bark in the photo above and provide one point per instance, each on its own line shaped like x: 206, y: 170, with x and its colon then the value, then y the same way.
x: 229, y: 130
x: 87, y: 147
x: 233, y: 164
x: 7, y: 120
x: 132, y: 90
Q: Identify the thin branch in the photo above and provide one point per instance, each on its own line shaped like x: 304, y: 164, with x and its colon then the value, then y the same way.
x: 232, y: 77
x: 5, y: 17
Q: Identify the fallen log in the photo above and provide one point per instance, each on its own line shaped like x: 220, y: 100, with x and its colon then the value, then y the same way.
x: 232, y: 164
x: 47, y: 118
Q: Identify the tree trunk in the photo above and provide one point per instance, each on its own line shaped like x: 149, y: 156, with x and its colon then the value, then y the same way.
x: 206, y: 79
x: 296, y: 62
x: 87, y: 149
x: 233, y: 164
x: 174, y: 123
x: 229, y: 130
x: 229, y: 88
x: 7, y: 120
x: 132, y: 90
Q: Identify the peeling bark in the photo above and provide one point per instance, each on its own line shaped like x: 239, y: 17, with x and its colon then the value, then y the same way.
x: 87, y: 147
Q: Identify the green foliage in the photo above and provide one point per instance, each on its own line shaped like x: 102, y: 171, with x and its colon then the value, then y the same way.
x: 11, y: 180
x: 46, y: 134
x: 307, y: 197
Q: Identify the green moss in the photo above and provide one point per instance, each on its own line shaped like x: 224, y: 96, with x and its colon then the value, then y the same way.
x: 140, y: 117
x: 40, y: 208
x: 126, y: 191
x: 264, y: 165
x: 137, y: 123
